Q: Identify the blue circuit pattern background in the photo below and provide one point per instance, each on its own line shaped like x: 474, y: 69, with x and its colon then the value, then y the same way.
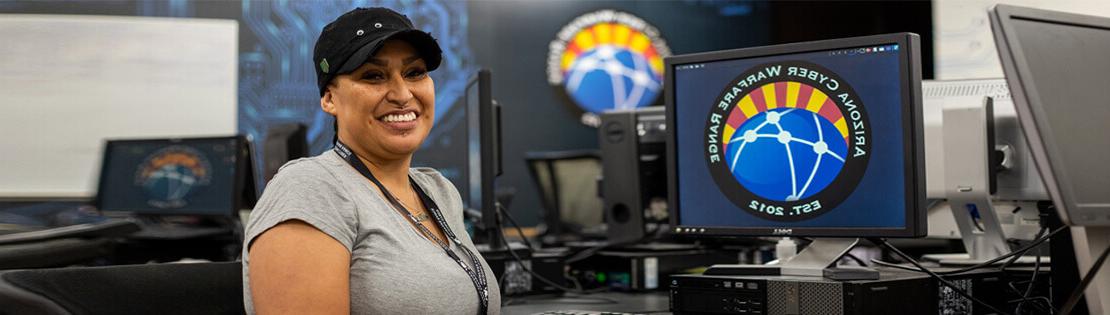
x: 277, y: 83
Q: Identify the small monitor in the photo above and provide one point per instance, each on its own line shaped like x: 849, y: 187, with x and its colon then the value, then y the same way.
x: 813, y: 139
x: 284, y: 142
x: 191, y: 176
x: 1056, y: 66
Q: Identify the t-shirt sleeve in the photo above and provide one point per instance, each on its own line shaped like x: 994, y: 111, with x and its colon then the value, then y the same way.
x: 305, y: 191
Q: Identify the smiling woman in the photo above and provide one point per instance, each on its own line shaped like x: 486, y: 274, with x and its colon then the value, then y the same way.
x: 356, y: 230
x: 386, y: 106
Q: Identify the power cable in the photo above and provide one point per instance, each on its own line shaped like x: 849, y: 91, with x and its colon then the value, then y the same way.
x: 883, y: 243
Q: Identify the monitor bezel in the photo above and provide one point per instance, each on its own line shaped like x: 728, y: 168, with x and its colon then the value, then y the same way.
x: 238, y: 184
x: 488, y: 119
x: 913, y: 138
x: 1028, y: 104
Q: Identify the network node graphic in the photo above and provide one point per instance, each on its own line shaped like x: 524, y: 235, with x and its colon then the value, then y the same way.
x: 609, y: 77
x: 170, y: 182
x: 786, y: 154
x: 787, y: 141
x: 607, y: 60
x: 170, y: 175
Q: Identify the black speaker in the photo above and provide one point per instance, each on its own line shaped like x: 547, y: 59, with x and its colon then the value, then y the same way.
x: 633, y: 163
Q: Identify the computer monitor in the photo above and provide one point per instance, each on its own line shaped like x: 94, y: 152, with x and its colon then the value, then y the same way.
x: 981, y: 182
x: 1014, y: 175
x: 1056, y: 65
x: 483, y: 130
x: 189, y: 176
x: 809, y: 139
x: 284, y: 142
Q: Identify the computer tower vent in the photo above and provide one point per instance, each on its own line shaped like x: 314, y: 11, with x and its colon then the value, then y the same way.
x: 822, y: 298
x: 804, y: 298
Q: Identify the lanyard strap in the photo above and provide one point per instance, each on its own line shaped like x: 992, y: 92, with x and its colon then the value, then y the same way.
x: 474, y: 271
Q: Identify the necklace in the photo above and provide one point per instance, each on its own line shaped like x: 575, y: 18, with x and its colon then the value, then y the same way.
x: 420, y: 217
x: 474, y: 271
x: 423, y: 216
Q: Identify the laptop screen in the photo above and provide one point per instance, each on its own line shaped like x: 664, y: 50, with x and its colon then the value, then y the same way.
x: 194, y: 176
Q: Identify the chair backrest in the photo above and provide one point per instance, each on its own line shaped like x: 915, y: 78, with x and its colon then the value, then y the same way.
x: 567, y: 181
x: 203, y: 288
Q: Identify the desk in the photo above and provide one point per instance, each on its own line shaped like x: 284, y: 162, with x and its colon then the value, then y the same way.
x: 654, y: 302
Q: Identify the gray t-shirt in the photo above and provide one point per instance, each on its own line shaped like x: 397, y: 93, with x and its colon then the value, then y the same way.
x: 394, y: 269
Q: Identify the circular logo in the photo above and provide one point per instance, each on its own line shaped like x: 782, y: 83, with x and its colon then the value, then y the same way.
x: 787, y: 141
x: 608, y: 60
x: 171, y: 174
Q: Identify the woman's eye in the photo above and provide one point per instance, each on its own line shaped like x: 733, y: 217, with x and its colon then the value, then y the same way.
x: 373, y: 76
x: 416, y: 73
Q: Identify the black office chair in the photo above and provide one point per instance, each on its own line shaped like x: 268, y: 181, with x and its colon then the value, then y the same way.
x: 202, y: 288
x: 568, y: 185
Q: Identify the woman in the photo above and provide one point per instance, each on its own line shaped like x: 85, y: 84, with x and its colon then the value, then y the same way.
x: 355, y: 230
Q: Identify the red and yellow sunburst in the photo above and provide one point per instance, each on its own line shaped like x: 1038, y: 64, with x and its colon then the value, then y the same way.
x: 788, y: 94
x: 617, y: 35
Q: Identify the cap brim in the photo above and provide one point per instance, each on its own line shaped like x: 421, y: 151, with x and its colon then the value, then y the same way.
x: 425, y: 45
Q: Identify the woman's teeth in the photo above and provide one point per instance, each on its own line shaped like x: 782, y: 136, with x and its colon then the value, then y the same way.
x: 400, y: 117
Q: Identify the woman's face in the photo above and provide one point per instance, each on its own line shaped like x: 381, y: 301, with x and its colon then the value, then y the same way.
x: 386, y: 107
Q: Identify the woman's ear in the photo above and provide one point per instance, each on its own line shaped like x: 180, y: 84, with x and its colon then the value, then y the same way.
x: 326, y: 101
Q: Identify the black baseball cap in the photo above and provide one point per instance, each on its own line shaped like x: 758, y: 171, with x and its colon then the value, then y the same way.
x: 346, y: 43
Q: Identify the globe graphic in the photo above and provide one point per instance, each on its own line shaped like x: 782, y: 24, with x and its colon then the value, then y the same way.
x: 786, y: 154
x: 170, y: 182
x: 612, y: 77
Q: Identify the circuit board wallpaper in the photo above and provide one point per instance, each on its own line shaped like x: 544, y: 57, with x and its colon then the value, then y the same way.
x: 512, y: 38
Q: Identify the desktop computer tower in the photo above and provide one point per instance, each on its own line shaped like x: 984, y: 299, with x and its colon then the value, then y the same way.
x: 896, y: 292
x: 634, y: 172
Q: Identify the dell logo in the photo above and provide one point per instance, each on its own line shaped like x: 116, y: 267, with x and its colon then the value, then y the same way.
x: 782, y: 232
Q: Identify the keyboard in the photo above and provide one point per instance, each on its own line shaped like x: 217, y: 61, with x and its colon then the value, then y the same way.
x: 177, y: 232
x: 107, y: 228
x: 581, y: 312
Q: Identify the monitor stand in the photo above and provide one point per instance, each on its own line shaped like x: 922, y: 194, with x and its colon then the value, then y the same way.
x: 812, y: 261
x: 968, y: 174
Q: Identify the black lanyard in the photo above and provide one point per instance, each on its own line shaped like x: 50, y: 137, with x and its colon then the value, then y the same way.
x: 475, y: 271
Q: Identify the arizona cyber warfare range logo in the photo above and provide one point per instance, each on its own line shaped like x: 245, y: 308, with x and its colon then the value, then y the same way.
x: 787, y: 141
x: 169, y: 175
x: 607, y: 60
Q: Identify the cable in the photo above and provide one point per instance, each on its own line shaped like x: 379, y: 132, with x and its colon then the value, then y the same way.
x: 983, y: 264
x: 893, y: 265
x: 1075, y: 296
x: 853, y: 257
x: 500, y: 230
x: 549, y: 298
x: 518, y: 230
x: 1040, y: 233
x: 586, y: 253
x: 1029, y: 289
x: 883, y: 242
x: 1008, y: 255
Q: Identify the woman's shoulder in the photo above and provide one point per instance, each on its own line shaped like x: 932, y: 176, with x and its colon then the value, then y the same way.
x: 322, y: 168
x: 432, y: 180
x: 425, y: 172
x: 429, y: 175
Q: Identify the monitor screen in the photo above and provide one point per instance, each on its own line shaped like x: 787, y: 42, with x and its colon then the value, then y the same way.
x: 472, y: 173
x: 463, y: 146
x: 1056, y: 65
x: 171, y: 176
x: 819, y: 139
x: 483, y: 148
